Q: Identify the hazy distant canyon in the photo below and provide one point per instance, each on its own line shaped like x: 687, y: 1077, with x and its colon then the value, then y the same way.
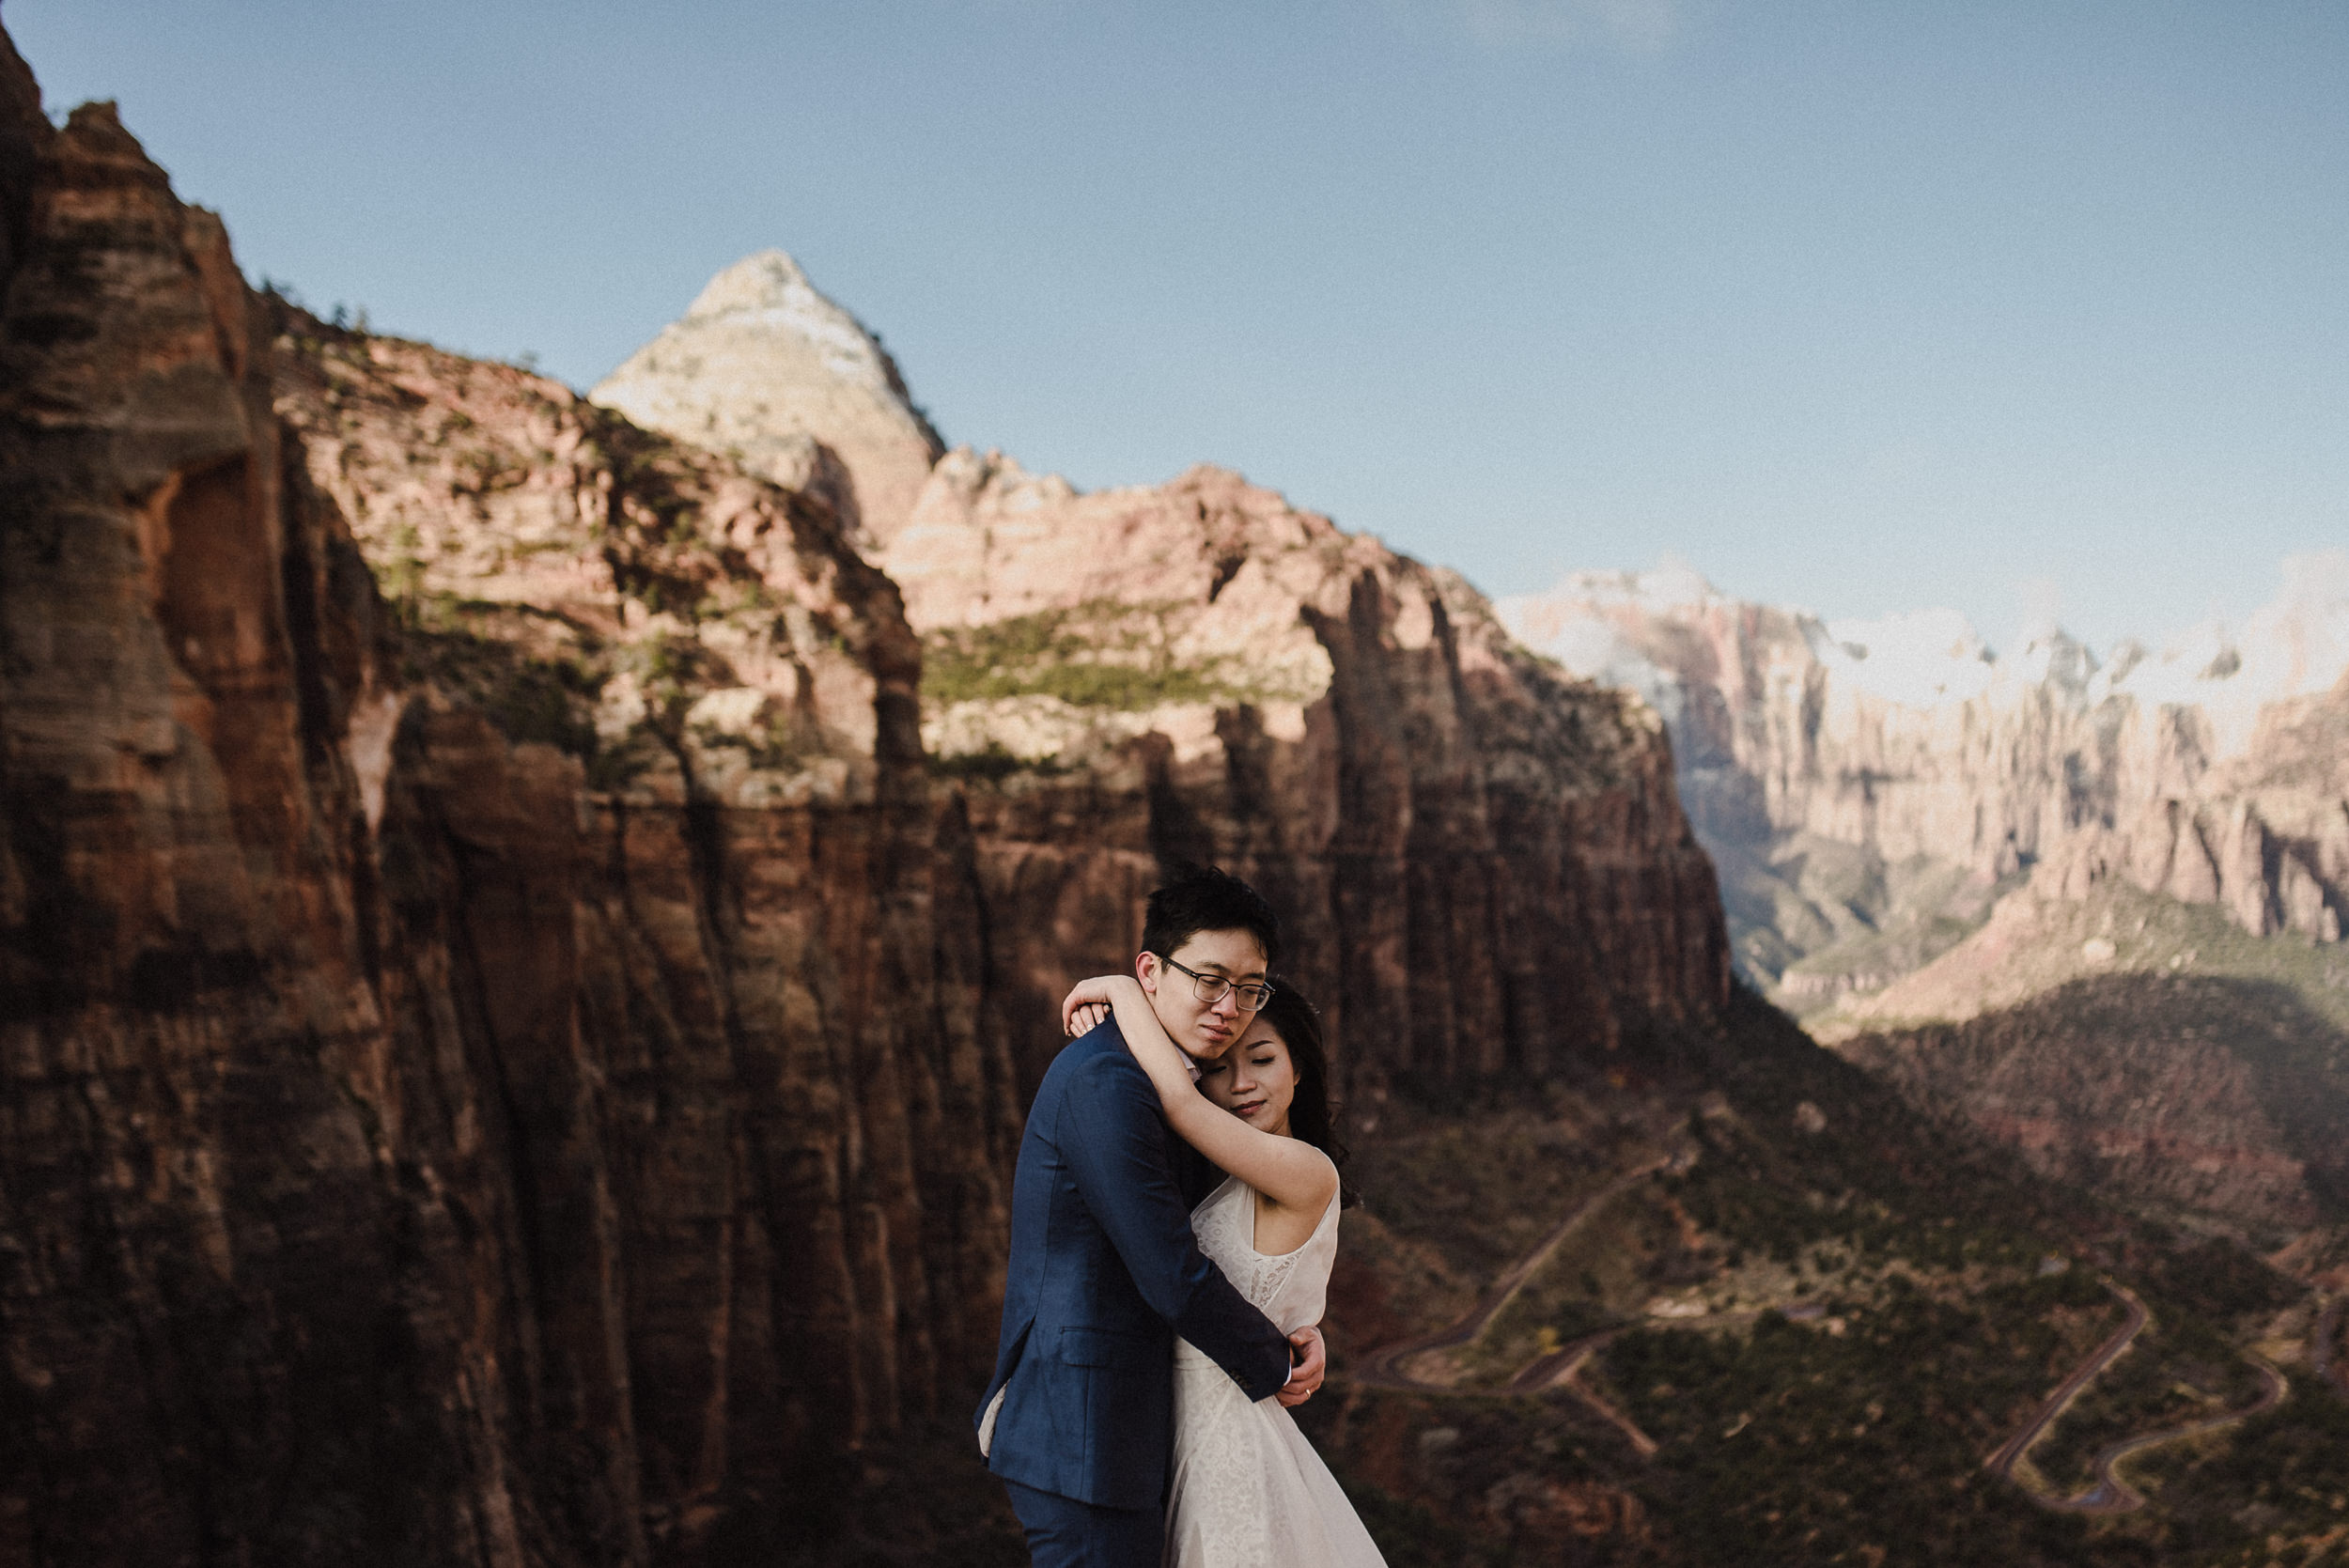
x: 1869, y: 789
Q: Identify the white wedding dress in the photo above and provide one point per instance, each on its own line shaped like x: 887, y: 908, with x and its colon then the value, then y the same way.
x: 1249, y: 1490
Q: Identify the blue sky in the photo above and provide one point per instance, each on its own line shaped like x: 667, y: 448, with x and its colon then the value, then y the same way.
x: 1856, y: 306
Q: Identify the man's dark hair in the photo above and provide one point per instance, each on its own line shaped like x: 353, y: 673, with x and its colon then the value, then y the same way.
x: 1208, y: 898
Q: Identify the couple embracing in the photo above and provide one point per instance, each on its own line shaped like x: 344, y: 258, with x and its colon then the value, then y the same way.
x: 1173, y: 1219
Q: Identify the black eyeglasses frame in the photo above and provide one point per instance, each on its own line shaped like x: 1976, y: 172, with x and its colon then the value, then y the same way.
x: 1201, y: 984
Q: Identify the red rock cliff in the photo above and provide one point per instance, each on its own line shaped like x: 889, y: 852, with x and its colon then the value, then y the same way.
x: 440, y: 1124
x: 511, y: 1047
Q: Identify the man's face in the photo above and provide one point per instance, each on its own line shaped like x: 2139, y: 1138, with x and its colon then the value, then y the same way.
x: 1203, y: 1030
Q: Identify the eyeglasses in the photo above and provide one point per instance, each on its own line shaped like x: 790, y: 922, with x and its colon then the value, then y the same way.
x: 1211, y: 988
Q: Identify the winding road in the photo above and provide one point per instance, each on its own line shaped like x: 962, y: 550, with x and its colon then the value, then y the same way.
x: 1382, y: 1368
x: 1563, y: 1369
x: 2111, y: 1494
x: 1559, y: 1369
x: 2002, y: 1463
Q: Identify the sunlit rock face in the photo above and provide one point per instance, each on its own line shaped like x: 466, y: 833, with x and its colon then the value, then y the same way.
x: 1481, y: 862
x: 2092, y: 910
x: 2263, y: 846
x: 765, y: 370
x: 1870, y: 788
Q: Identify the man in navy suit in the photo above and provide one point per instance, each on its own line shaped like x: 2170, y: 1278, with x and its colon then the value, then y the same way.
x: 1079, y: 1417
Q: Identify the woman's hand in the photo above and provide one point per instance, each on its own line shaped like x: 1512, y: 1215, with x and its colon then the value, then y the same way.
x: 1082, y: 1010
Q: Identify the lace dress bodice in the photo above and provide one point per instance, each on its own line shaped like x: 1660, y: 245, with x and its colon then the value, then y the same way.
x: 1290, y: 1288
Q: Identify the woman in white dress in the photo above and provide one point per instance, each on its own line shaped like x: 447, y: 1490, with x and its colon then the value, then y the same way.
x: 1248, y: 1490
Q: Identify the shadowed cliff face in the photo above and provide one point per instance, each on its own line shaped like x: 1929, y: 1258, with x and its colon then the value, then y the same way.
x: 703, y: 898
x: 411, y: 1152
x: 235, y: 1289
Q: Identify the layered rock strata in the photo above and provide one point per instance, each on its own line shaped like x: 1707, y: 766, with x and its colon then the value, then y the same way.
x: 491, y: 1077
x: 1869, y: 788
x: 795, y: 1128
x: 1483, y: 863
x: 2113, y: 1015
x: 2263, y: 834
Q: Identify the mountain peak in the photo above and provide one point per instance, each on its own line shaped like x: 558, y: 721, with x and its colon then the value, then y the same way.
x: 764, y: 366
x: 761, y: 279
x: 769, y: 291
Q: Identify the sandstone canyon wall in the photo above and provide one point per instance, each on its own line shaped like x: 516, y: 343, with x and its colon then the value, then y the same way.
x: 2161, y: 1006
x: 1869, y: 789
x: 433, y: 1131
x: 1482, y: 863
x: 2094, y: 911
x: 513, y: 1044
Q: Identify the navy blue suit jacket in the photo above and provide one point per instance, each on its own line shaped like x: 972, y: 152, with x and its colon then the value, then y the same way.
x: 1104, y: 1273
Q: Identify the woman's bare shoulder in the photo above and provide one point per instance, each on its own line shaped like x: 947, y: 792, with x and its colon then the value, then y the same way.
x: 1324, y: 1170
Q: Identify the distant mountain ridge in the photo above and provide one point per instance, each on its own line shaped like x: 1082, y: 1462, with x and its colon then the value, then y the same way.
x: 1869, y: 788
x: 2092, y: 907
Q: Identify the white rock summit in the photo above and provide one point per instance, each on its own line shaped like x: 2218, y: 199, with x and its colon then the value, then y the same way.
x: 763, y: 366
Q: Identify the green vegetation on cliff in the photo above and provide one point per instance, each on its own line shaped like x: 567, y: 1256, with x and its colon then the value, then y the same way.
x: 1103, y: 653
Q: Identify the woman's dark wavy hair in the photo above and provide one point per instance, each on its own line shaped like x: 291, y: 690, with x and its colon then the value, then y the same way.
x: 1312, y: 1117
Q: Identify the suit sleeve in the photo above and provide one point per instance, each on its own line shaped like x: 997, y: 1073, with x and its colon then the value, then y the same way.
x: 1195, y: 1174
x: 1115, y: 1143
